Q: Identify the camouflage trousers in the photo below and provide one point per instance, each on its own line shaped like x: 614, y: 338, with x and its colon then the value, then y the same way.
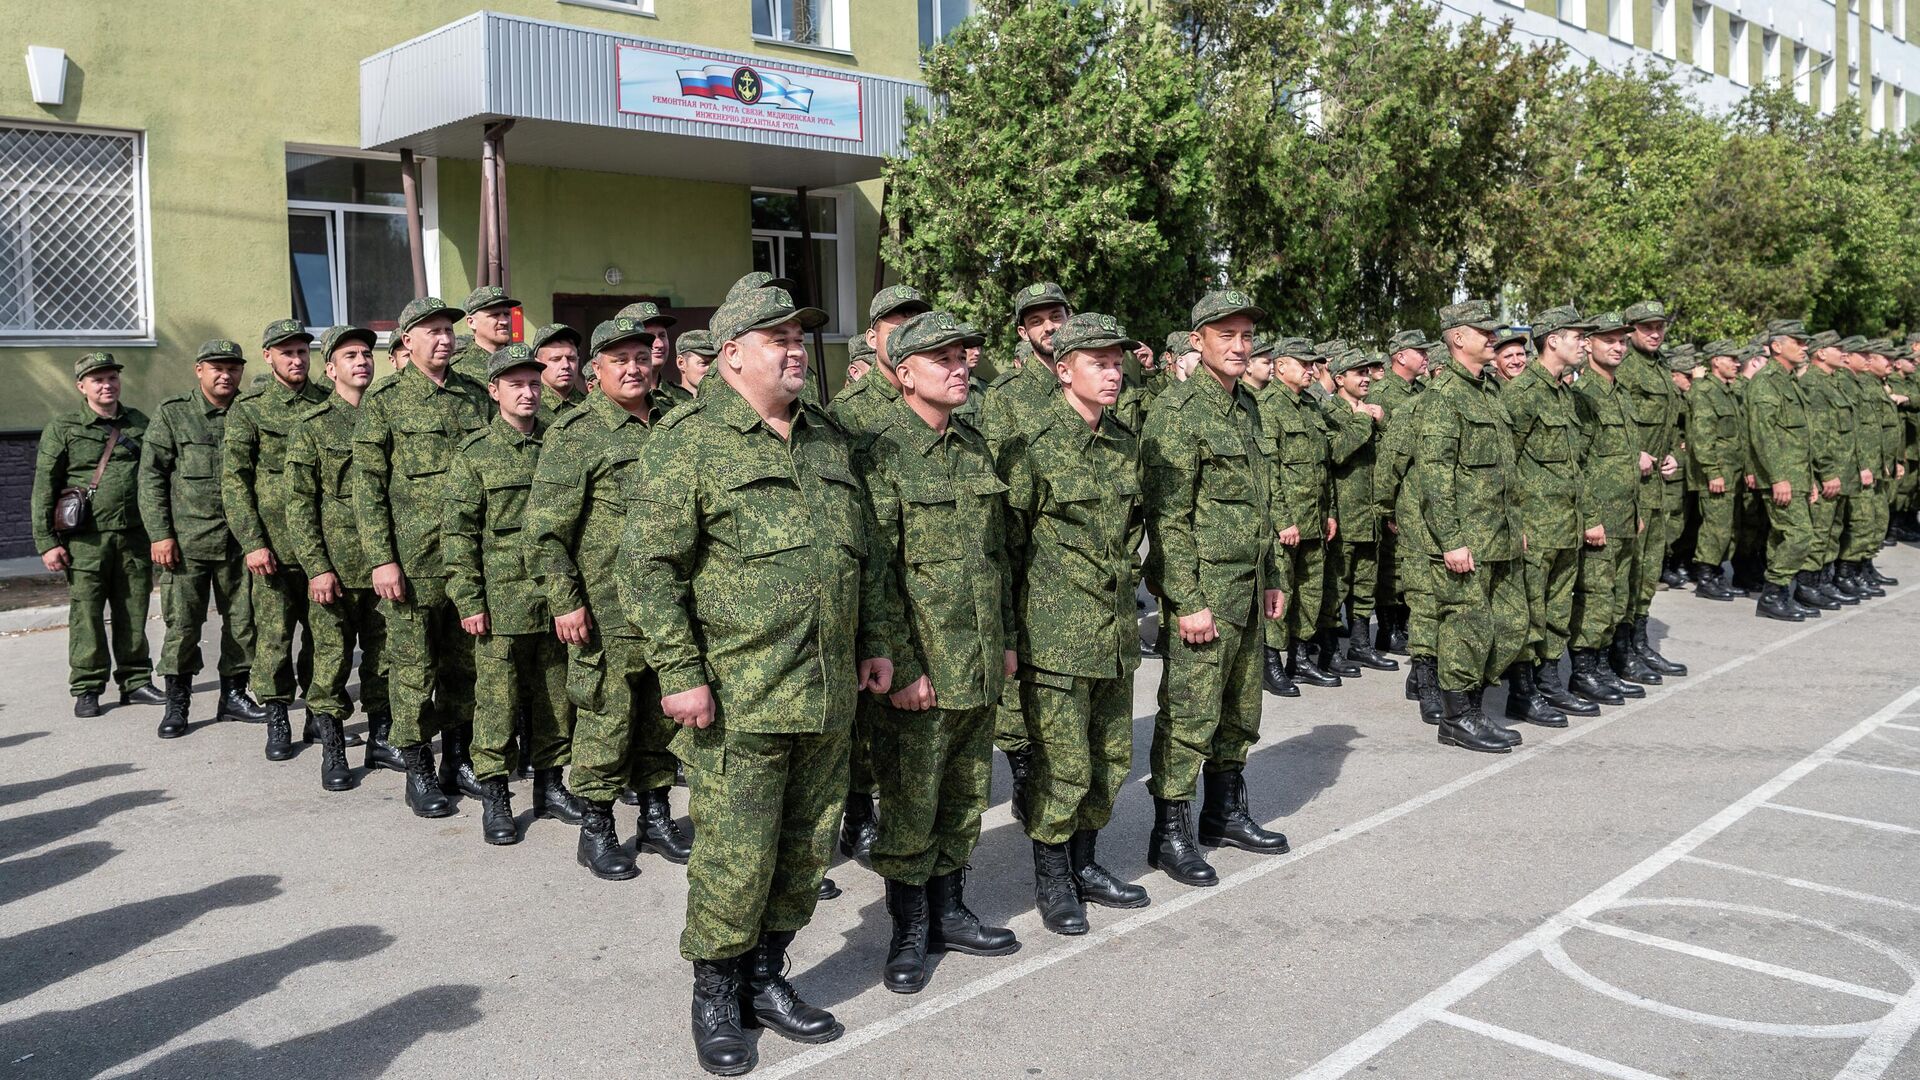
x: 1209, y: 714
x: 429, y: 664
x: 111, y: 578
x: 868, y: 711
x: 1352, y: 571
x: 1866, y: 519
x: 620, y: 736
x: 1550, y: 577
x: 1650, y: 547
x: 279, y: 607
x: 511, y: 671
x: 1010, y: 731
x: 1713, y: 544
x: 336, y: 629
x: 934, y: 768
x: 1601, y: 595
x: 1083, y: 750
x: 765, y: 809
x: 1789, y: 538
x: 1482, y: 622
x: 1423, y: 612
x: 1828, y: 516
x: 184, y: 596
x: 1307, y: 562
x: 1684, y: 531
x: 1387, y: 588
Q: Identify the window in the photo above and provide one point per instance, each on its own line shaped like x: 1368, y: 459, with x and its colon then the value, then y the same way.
x: 1802, y: 74
x: 939, y: 17
x: 1877, y: 109
x: 347, y: 240
x: 1665, y: 15
x: 1897, y: 20
x: 73, y: 236
x: 1738, y: 59
x: 1703, y: 43
x: 1620, y: 20
x: 1573, y: 12
x: 821, y: 23
x: 1877, y: 12
x: 777, y: 250
x: 1829, y: 84
x: 1769, y: 58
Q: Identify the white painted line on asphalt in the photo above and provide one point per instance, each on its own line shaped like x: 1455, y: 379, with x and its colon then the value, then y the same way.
x: 1877, y: 1054
x: 1701, y: 952
x: 1865, y: 823
x: 1876, y: 765
x: 1396, y: 1027
x: 1550, y: 1049
x: 1041, y: 960
x: 1903, y: 727
x: 1802, y: 883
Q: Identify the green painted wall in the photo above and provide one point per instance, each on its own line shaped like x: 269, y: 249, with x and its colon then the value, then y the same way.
x: 217, y: 128
x: 1722, y: 42
x: 1543, y: 7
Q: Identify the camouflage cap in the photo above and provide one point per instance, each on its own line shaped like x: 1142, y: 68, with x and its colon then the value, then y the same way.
x: 509, y: 357
x: 1825, y: 339
x: 697, y: 342
x: 1556, y: 319
x: 758, y: 310
x: 220, y: 349
x: 1180, y: 342
x: 1475, y: 313
x: 1299, y: 348
x: 461, y: 341
x: 759, y: 279
x: 616, y: 330
x: 281, y: 330
x: 895, y: 299
x: 1507, y: 335
x: 1791, y: 328
x: 1748, y: 352
x: 1327, y: 350
x: 552, y: 332
x: 1408, y: 339
x: 1039, y: 294
x: 1879, y: 347
x: 422, y: 309
x: 1853, y: 343
x: 1263, y: 347
x: 335, y: 336
x: 1682, y: 359
x: 1090, y: 330
x: 1354, y: 360
x: 1646, y: 311
x: 1607, y: 322
x: 95, y: 361
x: 646, y: 311
x: 1222, y: 303
x: 1023, y: 351
x: 489, y: 296
x: 928, y: 331
x: 1914, y: 338
x: 1722, y: 347
x: 859, y: 349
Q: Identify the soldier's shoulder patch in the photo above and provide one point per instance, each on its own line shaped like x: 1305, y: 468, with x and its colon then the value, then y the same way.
x: 252, y: 392
x: 384, y: 386
x: 1004, y: 378
x: 177, y: 399
x: 472, y: 438
x: 318, y: 410
x: 674, y: 417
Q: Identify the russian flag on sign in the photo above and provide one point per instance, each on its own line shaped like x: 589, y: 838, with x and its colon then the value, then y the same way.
x: 726, y: 81
x: 712, y: 81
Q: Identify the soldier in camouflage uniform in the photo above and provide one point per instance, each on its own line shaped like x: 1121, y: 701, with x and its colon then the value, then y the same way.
x: 666, y: 394
x: 1836, y: 470
x: 490, y: 316
x: 1353, y: 556
x: 1211, y: 557
x: 342, y: 610
x: 940, y: 538
x: 1877, y: 425
x: 191, y: 543
x: 1610, y: 471
x: 563, y: 382
x: 693, y: 355
x: 1074, y: 498
x: 1547, y: 442
x: 403, y: 445
x: 742, y: 566
x: 253, y: 489
x: 1716, y: 456
x: 1783, y: 456
x: 1683, y: 510
x: 1750, y: 506
x: 106, y: 560
x: 1655, y: 406
x: 580, y: 500
x: 1396, y: 387
x: 859, y: 362
x: 1294, y: 430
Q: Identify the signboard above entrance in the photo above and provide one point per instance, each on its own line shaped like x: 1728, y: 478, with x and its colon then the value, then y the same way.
x: 710, y: 90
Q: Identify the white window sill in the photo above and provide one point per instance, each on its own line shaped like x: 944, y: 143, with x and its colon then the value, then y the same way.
x: 645, y: 12
x: 88, y: 343
x: 782, y: 42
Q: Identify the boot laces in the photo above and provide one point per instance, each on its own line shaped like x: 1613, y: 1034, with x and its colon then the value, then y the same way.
x: 720, y: 994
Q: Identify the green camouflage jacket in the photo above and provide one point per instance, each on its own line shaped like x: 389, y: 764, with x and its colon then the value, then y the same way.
x: 320, y: 516
x: 1653, y: 404
x: 1876, y: 419
x: 1716, y: 434
x: 1830, y: 426
x: 1019, y: 393
x: 1546, y: 441
x: 667, y: 394
x: 553, y: 406
x: 1609, y: 457
x: 483, y: 530
x: 1352, y: 443
x: 1465, y: 463
x: 1395, y: 451
x: 70, y: 447
x: 403, y: 446
x: 1294, y: 430
x: 253, y: 484
x: 859, y: 408
x: 581, y: 494
x: 179, y: 477
x: 1777, y: 429
x: 471, y: 362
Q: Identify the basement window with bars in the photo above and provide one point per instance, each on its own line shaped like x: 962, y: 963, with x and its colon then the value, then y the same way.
x: 73, y: 237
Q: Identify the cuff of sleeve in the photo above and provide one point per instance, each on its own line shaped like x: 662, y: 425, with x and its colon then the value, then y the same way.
x: 564, y: 597
x: 680, y: 678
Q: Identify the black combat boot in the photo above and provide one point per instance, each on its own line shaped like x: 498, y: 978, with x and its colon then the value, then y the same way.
x: 1628, y: 665
x: 279, y: 732
x: 1362, y: 651
x: 424, y: 796
x: 1327, y: 645
x: 1397, y: 636
x: 1273, y: 673
x: 906, y: 970
x: 1096, y: 883
x: 173, y: 722
x: 551, y: 799
x: 1878, y: 578
x: 629, y: 797
x: 1707, y: 583
x: 1864, y: 583
x: 1546, y: 679
x: 1587, y: 681
x: 236, y: 703
x: 599, y: 849
x: 955, y: 927
x: 719, y: 1044
x: 456, y: 766
x: 1672, y: 576
x: 1511, y: 736
x: 496, y: 813
x: 1054, y: 891
x: 1843, y: 590
x: 1019, y: 765
x: 1303, y: 669
x: 1383, y: 636
x: 1644, y: 646
x: 860, y: 827
x: 1807, y: 591
x: 1467, y: 727
x: 335, y: 773
x: 143, y: 695
x: 1525, y: 703
x: 828, y: 890
x: 657, y: 831
x: 773, y: 1003
x: 523, y: 743
x: 1426, y: 670
x: 86, y: 704
x: 1171, y: 847
x: 1413, y: 680
x: 1774, y: 604
x: 381, y: 753
x: 1224, y: 821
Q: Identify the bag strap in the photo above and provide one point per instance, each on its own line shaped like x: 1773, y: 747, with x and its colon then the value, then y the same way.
x: 100, y: 469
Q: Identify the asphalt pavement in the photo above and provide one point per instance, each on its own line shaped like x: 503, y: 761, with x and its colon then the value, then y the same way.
x: 1722, y: 880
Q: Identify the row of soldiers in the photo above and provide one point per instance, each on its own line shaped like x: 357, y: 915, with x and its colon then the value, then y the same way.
x: 806, y: 607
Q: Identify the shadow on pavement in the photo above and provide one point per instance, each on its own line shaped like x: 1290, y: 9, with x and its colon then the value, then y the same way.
x: 9, y: 741
x: 30, y: 831
x: 33, y: 789
x: 22, y: 878
x: 91, y: 1039
x: 43, y: 956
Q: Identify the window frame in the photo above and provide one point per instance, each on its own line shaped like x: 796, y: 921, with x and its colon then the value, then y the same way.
x: 844, y: 237
x: 939, y: 33
x: 139, y: 336
x: 336, y: 212
x: 840, y: 18
x: 1739, y: 51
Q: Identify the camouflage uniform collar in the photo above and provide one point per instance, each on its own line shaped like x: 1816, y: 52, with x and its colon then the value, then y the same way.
x: 1208, y: 389
x: 613, y: 415
x: 119, y: 414
x: 871, y: 383
x: 415, y: 379
x: 208, y: 408
x: 1063, y: 413
x: 733, y: 410
x: 921, y: 435
x: 512, y: 434
x: 284, y: 393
